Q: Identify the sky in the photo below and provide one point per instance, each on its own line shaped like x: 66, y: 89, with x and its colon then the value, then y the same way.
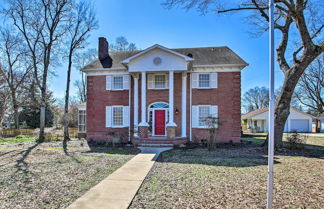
x: 147, y: 22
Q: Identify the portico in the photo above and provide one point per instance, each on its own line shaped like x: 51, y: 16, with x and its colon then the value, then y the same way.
x: 157, y: 66
x: 145, y: 127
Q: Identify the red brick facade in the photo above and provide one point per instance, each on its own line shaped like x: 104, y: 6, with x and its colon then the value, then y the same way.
x: 227, y: 96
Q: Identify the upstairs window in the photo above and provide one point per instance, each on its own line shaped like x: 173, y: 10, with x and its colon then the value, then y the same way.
x: 160, y: 81
x: 117, y: 82
x: 204, y: 80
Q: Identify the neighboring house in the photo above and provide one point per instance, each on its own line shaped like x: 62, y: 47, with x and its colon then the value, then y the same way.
x: 181, y: 88
x: 320, y: 119
x: 257, y: 121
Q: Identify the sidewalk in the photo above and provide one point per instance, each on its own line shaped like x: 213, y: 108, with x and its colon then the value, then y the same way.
x: 119, y: 188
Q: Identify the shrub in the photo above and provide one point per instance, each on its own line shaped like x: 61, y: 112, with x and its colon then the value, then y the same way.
x: 296, y: 140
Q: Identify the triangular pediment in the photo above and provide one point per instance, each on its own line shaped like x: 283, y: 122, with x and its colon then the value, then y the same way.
x: 157, y: 58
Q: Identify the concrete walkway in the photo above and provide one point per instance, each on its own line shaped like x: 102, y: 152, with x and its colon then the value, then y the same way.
x: 119, y: 188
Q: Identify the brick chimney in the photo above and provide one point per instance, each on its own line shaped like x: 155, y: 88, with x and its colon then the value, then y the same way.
x: 103, y: 48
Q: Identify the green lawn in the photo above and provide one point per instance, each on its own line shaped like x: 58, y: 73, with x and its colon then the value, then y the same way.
x: 17, y: 140
x: 310, y: 140
x: 43, y: 176
x: 232, y: 177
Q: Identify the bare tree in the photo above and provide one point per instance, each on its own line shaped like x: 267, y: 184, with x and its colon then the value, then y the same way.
x: 256, y: 98
x: 15, y: 67
x: 121, y: 44
x: 82, y: 22
x: 4, y: 95
x: 310, y: 87
x: 301, y: 17
x: 81, y: 59
x: 42, y: 24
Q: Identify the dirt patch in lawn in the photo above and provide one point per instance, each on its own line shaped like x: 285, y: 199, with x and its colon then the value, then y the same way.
x: 43, y: 176
x: 232, y: 178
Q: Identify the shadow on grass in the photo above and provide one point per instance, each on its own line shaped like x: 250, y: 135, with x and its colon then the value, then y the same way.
x: 207, y: 158
x: 241, y: 155
x: 22, y: 167
x: 117, y: 150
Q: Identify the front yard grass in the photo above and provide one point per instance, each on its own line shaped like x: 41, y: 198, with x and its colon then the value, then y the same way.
x: 17, y: 140
x: 233, y: 177
x: 311, y: 139
x: 43, y: 176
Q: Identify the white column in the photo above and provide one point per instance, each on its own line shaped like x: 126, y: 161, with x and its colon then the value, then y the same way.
x: 171, y: 99
x: 143, y: 101
x: 135, y: 104
x: 184, y: 105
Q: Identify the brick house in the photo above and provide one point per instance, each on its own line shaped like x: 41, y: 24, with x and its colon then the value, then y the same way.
x: 182, y: 87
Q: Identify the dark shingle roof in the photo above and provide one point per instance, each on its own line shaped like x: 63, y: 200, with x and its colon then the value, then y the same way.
x: 202, y: 56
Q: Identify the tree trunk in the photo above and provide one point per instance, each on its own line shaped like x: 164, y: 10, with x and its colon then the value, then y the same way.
x: 282, y: 109
x: 41, y: 137
x: 15, y: 108
x: 66, y: 108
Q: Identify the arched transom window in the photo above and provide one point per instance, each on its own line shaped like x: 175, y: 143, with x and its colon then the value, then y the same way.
x: 159, y: 105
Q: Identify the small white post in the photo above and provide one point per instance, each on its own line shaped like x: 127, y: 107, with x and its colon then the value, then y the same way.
x: 271, y: 109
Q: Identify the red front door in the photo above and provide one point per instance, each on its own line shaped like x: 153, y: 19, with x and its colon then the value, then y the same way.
x: 159, y: 122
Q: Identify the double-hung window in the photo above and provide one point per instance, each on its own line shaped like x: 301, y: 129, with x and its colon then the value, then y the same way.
x: 117, y: 82
x: 160, y: 81
x: 204, y: 80
x: 204, y: 113
x: 117, y: 116
x: 82, y: 121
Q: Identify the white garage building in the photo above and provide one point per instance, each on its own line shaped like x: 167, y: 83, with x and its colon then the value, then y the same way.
x: 321, y: 121
x: 257, y: 121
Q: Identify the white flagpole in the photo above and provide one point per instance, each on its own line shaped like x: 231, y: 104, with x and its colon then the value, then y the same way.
x: 271, y: 107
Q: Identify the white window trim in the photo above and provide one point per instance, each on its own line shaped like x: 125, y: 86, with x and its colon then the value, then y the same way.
x: 166, y: 82
x: 196, y: 114
x: 213, y: 77
x: 125, y: 82
x: 112, y: 83
x: 85, y: 121
x: 199, y: 115
x: 209, y: 85
x: 112, y: 116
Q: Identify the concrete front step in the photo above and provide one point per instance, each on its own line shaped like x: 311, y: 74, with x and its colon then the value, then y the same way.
x: 154, y: 145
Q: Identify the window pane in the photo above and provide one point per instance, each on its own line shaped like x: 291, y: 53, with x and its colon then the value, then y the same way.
x: 203, y: 80
x: 117, y: 116
x: 159, y: 81
x: 118, y: 82
x: 203, y: 115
